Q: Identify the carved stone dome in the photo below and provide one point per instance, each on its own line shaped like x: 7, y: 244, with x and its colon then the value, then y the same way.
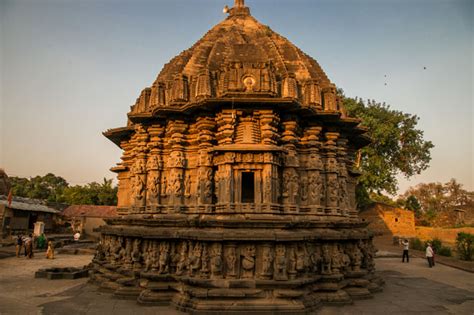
x: 238, y: 58
x: 241, y: 38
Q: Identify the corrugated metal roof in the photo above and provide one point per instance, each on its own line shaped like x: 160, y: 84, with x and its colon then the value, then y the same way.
x: 17, y: 205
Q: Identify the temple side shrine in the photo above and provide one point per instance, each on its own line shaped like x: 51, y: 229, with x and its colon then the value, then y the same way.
x: 237, y: 183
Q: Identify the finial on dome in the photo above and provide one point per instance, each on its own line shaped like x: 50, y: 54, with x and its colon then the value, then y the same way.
x: 239, y: 3
x: 239, y: 8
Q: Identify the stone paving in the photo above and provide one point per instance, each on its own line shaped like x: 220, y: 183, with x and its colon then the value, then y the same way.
x: 411, y: 288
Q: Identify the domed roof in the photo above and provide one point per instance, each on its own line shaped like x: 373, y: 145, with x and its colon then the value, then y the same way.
x: 242, y: 60
x: 241, y: 38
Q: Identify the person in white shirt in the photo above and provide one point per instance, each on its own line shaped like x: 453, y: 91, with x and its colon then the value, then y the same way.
x: 405, y: 244
x: 77, y: 236
x: 429, y: 255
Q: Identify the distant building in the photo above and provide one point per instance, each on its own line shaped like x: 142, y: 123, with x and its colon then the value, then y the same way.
x: 87, y: 218
x: 21, y: 215
x: 385, y: 220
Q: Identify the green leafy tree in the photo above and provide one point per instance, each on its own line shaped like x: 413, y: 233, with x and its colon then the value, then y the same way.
x: 465, y: 245
x: 56, y: 189
x: 437, y: 197
x: 412, y: 203
x: 92, y: 194
x: 49, y: 187
x: 397, y: 146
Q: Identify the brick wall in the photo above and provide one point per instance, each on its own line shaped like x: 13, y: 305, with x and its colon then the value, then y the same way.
x: 388, y: 220
x: 447, y: 236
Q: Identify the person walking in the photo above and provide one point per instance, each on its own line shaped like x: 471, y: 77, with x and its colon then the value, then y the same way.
x: 429, y: 255
x: 405, y: 244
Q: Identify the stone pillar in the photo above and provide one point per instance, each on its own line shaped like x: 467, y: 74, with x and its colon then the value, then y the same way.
x: 343, y: 175
x: 138, y: 171
x: 290, y: 180
x: 205, y: 126
x: 269, y: 127
x: 331, y: 169
x: 226, y: 121
x: 314, y: 167
x: 176, y: 164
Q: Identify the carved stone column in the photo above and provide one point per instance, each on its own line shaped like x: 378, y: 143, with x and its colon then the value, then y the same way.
x: 138, y: 173
x: 342, y: 178
x: 226, y: 121
x: 154, y: 166
x: 331, y: 169
x: 176, y: 164
x: 269, y: 126
x: 205, y: 126
x: 314, y: 167
x: 290, y: 180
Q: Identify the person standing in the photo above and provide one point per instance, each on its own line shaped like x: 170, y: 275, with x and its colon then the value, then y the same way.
x: 405, y: 244
x: 50, y: 251
x: 19, y: 243
x: 429, y: 255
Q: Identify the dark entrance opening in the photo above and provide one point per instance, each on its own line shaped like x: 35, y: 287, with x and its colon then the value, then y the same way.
x: 248, y: 187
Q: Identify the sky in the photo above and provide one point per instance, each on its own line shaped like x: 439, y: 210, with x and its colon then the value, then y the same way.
x: 71, y: 69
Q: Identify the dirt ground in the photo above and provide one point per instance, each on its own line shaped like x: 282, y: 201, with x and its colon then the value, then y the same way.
x: 411, y: 288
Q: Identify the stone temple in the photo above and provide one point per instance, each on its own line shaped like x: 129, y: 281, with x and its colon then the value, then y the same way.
x: 237, y: 183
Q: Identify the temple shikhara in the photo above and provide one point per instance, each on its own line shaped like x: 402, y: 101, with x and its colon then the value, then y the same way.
x: 237, y: 183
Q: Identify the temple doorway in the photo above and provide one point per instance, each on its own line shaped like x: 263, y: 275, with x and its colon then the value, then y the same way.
x: 248, y: 187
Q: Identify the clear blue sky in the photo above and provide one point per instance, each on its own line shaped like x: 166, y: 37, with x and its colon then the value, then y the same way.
x: 71, y: 69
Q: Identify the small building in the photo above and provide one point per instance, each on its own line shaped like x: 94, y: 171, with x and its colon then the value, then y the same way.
x: 22, y: 214
x: 386, y: 220
x: 87, y: 218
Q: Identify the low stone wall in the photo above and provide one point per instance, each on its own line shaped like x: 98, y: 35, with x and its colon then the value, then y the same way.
x: 448, y: 236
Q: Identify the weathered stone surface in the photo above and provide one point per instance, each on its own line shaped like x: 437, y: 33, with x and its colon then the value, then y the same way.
x: 237, y: 183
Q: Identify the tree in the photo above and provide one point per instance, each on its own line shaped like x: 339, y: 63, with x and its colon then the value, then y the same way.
x: 49, y: 187
x: 437, y: 197
x: 412, y: 203
x: 92, y: 194
x: 56, y: 189
x: 465, y: 245
x: 397, y: 145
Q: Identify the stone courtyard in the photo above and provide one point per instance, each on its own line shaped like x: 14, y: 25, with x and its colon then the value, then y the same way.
x: 410, y: 289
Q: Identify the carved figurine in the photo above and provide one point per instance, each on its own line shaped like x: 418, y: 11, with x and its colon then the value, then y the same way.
x: 205, y: 261
x: 183, y: 259
x: 302, y: 258
x: 231, y: 259
x: 216, y: 260
x: 164, y: 258
x: 248, y: 261
x: 292, y: 263
x: 267, y: 262
x: 136, y: 254
x: 187, y: 186
x: 164, y: 186
x: 326, y: 260
x: 194, y: 259
x: 280, y: 263
x: 152, y: 185
x: 315, y: 259
x: 337, y: 262
x: 148, y: 256
x: 315, y: 187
